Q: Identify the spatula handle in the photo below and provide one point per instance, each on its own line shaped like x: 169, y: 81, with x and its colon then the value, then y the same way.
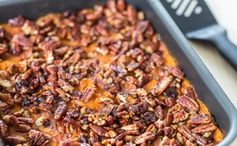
x: 218, y: 36
x: 226, y: 48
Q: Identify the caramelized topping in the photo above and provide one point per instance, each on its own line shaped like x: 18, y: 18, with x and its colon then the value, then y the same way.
x: 98, y: 76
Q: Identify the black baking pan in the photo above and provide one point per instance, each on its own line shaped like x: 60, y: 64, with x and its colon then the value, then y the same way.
x: 207, y: 88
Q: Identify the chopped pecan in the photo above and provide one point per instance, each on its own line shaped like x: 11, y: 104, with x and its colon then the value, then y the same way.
x: 180, y: 116
x: 186, y: 132
x: 2, y: 33
x: 190, y: 143
x: 4, y: 107
x: 6, y: 84
x: 162, y: 85
x: 60, y: 110
x: 143, y: 80
x: 200, y: 119
x: 3, y: 49
x: 49, y: 44
x: 38, y: 138
x: 147, y: 136
x: 132, y: 14
x: 180, y: 138
x: 200, y: 140
x: 119, y: 70
x: 29, y: 28
x: 17, y: 21
x: 149, y: 117
x: 142, y: 26
x: 176, y: 72
x: 21, y: 40
x: 121, y: 5
x: 70, y: 142
x: 97, y: 129
x: 156, y: 60
x: 130, y: 127
x: 143, y: 106
x: 188, y: 103
x: 190, y: 92
x: 171, y: 92
x: 159, y: 112
x: 4, y: 130
x: 169, y: 101
x: 167, y: 141
x: 88, y: 94
x: 112, y: 5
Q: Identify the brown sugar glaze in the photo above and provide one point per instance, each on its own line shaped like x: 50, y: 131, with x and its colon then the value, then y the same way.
x: 86, y: 118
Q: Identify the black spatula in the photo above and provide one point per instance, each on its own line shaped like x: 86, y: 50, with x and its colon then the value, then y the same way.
x: 197, y: 22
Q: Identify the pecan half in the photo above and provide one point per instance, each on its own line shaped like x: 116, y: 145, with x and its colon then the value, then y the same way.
x: 188, y: 103
x: 38, y: 138
x: 204, y: 128
x: 22, y: 128
x: 14, y: 140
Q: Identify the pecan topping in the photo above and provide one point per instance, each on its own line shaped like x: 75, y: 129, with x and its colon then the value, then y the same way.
x: 96, y: 76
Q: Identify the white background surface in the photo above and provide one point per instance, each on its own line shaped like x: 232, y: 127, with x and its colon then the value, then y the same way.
x: 225, y: 12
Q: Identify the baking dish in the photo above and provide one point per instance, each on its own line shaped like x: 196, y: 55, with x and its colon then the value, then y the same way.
x: 208, y: 90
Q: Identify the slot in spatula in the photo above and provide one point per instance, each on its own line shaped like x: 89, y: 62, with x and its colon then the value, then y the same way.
x: 197, y: 22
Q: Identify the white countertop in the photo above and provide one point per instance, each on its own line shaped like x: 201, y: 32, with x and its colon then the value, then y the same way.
x: 226, y: 14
